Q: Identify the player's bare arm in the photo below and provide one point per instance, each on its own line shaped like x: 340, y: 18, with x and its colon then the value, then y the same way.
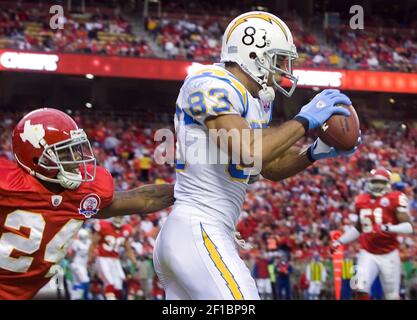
x: 275, y: 140
x: 95, y: 239
x: 130, y: 252
x: 142, y: 200
x: 405, y: 224
x: 403, y: 217
x: 291, y: 162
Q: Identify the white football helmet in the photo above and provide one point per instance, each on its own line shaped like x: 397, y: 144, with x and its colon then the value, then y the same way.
x: 258, y: 41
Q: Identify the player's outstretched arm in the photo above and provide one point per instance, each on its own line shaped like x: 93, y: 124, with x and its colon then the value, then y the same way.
x: 142, y: 200
x: 130, y: 253
x: 348, y: 236
x: 293, y: 161
x: 95, y: 239
x: 274, y: 141
x: 296, y: 159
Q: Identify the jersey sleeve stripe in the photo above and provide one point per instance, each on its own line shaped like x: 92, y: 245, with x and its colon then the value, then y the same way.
x: 246, y: 106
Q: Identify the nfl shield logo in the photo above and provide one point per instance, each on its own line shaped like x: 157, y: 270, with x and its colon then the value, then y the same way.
x: 56, y: 200
x: 384, y: 202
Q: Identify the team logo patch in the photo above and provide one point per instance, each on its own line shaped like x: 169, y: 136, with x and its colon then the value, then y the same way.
x: 384, y: 202
x: 90, y: 205
x: 267, y: 106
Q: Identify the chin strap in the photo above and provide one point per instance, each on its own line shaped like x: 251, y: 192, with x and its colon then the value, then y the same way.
x: 70, y: 180
x: 266, y: 94
x: 60, y: 178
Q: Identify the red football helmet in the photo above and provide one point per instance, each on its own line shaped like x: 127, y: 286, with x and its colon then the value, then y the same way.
x: 379, y: 182
x: 118, y: 221
x: 50, y: 146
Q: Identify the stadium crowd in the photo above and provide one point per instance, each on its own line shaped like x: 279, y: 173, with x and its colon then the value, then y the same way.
x: 373, y: 49
x: 200, y: 40
x: 287, y: 223
x: 96, y: 32
x: 196, y: 35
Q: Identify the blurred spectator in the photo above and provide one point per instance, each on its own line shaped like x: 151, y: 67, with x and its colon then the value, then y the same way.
x: 283, y: 270
x: 316, y: 275
x: 145, y: 276
x: 262, y: 278
x: 273, y: 278
x: 413, y: 285
x: 347, y: 273
x: 145, y: 165
x: 303, y: 285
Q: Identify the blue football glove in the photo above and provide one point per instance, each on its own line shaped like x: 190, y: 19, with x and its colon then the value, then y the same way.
x: 322, y: 107
x: 319, y: 150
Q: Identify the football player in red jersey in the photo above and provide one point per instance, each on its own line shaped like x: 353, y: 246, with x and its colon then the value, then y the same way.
x: 47, y: 195
x: 382, y: 215
x: 108, y: 238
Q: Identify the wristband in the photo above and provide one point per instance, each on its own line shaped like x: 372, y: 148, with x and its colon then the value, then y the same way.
x: 404, y: 228
x: 310, y: 154
x: 304, y: 122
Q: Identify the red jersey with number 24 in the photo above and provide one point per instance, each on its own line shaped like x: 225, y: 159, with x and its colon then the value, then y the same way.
x: 37, y: 226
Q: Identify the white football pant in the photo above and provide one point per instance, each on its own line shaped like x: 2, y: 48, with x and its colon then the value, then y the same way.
x: 110, y: 271
x: 388, y: 266
x: 196, y: 257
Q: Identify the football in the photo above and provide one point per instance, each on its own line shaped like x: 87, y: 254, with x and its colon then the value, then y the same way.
x: 341, y: 132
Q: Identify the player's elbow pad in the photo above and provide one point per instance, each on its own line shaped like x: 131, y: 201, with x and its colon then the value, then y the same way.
x: 350, y: 235
x: 404, y: 227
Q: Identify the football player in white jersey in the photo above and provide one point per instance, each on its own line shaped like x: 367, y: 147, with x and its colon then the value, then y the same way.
x: 78, y: 266
x: 195, y: 255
